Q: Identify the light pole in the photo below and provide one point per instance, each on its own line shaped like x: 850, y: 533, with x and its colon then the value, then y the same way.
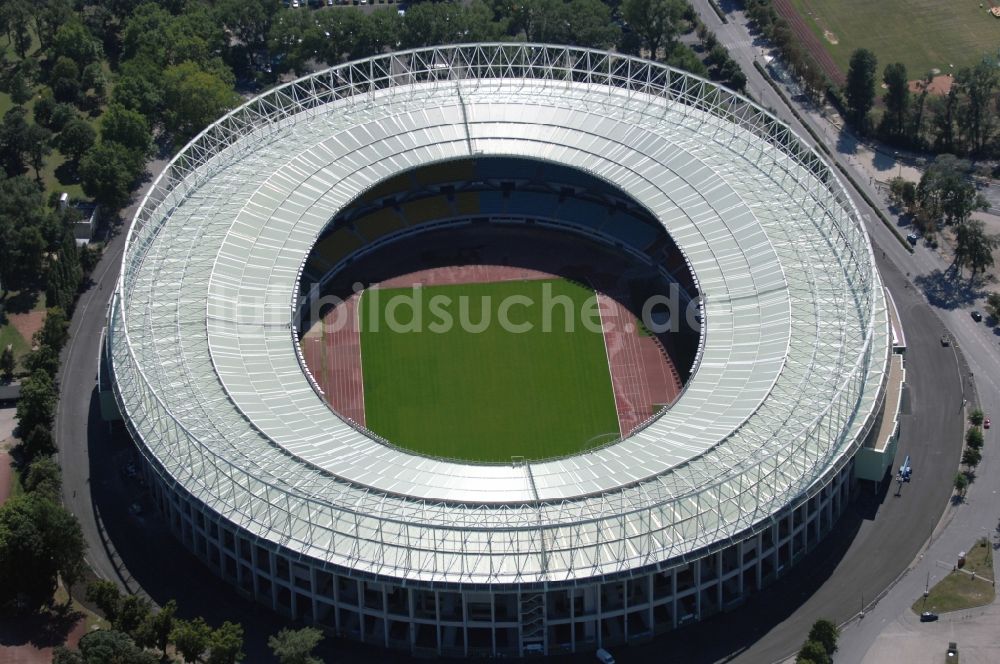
x: 895, y: 155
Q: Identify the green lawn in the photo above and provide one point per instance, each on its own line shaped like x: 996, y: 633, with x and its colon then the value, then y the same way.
x: 489, y: 395
x: 959, y: 590
x: 922, y: 34
x: 10, y: 336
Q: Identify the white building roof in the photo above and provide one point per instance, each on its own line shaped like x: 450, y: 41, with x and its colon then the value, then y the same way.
x: 795, y: 339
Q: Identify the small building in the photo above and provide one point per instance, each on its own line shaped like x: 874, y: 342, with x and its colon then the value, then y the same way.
x: 86, y: 225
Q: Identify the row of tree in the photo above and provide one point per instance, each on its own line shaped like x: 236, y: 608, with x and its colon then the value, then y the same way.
x: 40, y: 542
x: 140, y: 634
x: 963, y: 121
x: 972, y: 455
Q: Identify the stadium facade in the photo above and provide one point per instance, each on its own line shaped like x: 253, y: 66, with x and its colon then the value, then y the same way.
x: 309, y: 515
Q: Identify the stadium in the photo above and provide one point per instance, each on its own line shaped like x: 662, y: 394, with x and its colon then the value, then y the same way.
x: 504, y: 169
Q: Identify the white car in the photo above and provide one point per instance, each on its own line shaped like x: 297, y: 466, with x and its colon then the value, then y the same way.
x: 604, y: 656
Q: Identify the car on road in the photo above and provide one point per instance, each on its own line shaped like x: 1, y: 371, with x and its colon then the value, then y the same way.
x: 976, y: 315
x: 945, y: 340
x: 986, y: 423
x: 604, y: 657
x: 928, y: 616
x: 952, y: 652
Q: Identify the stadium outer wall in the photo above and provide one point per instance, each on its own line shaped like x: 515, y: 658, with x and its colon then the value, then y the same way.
x: 461, y: 621
x: 463, y: 617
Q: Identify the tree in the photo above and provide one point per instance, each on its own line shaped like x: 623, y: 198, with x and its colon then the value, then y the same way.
x: 39, y: 541
x: 55, y: 329
x: 44, y: 479
x: 38, y: 443
x: 191, y: 638
x: 860, y: 89
x: 973, y: 247
x: 813, y: 652
x: 14, y: 140
x: 73, y: 41
x: 107, y: 646
x: 76, y: 138
x: 129, y: 128
x: 897, y: 99
x: 64, y: 79
x: 107, y: 597
x: 971, y: 457
x: 976, y: 416
x: 194, y: 98
x: 132, y: 613
x: 7, y: 364
x: 826, y: 633
x: 944, y: 191
x: 43, y: 360
x: 993, y: 309
x: 249, y: 22
x: 978, y: 88
x: 961, y: 483
x: 107, y: 172
x: 155, y: 631
x: 657, y: 22
x: 39, y: 147
x: 20, y: 91
x: 92, y: 78
x: 226, y: 644
x: 296, y: 646
x: 15, y: 17
x: 37, y: 403
x: 63, y: 278
x: 63, y: 655
x: 974, y: 438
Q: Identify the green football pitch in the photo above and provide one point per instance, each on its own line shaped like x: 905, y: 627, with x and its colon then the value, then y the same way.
x: 459, y: 392
x: 922, y: 34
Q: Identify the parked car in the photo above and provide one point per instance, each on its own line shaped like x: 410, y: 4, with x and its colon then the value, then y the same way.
x: 604, y: 656
x: 912, y: 238
x: 976, y: 315
x: 928, y: 616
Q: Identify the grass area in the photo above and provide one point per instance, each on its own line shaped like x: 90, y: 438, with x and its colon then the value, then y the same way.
x: 486, y: 396
x: 960, y: 590
x: 91, y: 619
x: 10, y: 336
x: 922, y: 34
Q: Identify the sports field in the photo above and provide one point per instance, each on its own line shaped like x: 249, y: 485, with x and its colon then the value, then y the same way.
x: 922, y: 34
x: 455, y: 392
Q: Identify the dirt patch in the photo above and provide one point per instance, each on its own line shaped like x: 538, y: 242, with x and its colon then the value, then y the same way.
x: 830, y: 37
x: 940, y: 85
x: 27, y: 324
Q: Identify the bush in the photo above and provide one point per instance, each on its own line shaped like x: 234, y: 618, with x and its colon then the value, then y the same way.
x: 976, y: 417
x: 974, y: 438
